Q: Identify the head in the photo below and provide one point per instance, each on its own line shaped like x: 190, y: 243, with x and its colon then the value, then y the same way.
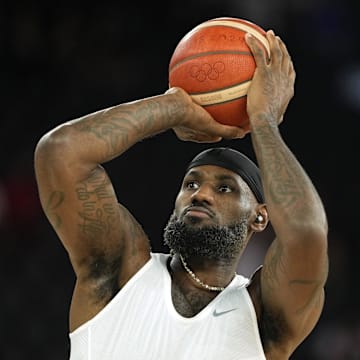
x: 219, y: 206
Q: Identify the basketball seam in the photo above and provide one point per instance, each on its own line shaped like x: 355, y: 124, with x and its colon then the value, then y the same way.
x: 219, y: 52
x: 225, y: 101
x: 220, y: 96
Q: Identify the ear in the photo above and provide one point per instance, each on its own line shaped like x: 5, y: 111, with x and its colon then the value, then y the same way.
x: 260, y: 219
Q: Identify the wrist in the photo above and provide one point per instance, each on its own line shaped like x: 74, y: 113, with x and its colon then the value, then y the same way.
x: 178, y: 106
x: 264, y: 118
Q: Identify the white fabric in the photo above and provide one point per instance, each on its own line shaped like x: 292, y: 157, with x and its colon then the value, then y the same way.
x: 141, y: 323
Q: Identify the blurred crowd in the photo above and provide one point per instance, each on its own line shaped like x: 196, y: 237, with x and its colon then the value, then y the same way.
x: 61, y: 61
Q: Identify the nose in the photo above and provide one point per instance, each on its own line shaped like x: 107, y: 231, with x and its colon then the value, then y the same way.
x: 203, y: 194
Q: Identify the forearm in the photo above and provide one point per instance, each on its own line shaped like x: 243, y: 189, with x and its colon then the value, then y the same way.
x: 101, y: 136
x: 290, y: 195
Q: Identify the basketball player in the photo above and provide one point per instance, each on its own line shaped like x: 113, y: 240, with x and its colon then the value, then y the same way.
x: 130, y: 303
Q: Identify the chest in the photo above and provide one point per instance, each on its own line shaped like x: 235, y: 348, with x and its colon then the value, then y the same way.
x: 189, y: 303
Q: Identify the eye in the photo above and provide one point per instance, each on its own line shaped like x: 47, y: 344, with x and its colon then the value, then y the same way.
x: 192, y: 185
x: 225, y: 189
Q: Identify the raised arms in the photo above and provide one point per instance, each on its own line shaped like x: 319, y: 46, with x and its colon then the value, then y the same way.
x: 295, y: 267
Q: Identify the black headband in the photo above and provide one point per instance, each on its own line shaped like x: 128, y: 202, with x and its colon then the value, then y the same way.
x: 235, y: 161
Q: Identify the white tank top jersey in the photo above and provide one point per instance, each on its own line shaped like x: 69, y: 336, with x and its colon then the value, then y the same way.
x: 141, y: 323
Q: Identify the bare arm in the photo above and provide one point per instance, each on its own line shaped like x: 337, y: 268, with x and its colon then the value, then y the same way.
x: 105, y: 243
x: 296, y: 264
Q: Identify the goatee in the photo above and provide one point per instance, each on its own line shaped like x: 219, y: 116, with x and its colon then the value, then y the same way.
x: 212, y: 242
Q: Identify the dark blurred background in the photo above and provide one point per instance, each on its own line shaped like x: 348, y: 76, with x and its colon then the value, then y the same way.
x: 60, y: 61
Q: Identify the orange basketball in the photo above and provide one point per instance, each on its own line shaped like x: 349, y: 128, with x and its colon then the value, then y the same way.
x: 213, y: 63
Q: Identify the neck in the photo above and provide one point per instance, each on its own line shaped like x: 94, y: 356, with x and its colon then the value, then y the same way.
x: 210, y: 277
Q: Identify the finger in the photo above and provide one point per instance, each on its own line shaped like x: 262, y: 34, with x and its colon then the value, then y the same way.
x: 229, y: 132
x: 207, y: 139
x: 203, y: 138
x: 185, y: 134
x: 276, y: 55
x: 237, y: 133
x: 287, y: 63
x: 171, y: 90
x: 256, y: 49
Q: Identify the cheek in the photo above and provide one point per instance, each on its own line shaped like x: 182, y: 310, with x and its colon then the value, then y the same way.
x: 233, y: 210
x: 179, y: 201
x: 228, y: 212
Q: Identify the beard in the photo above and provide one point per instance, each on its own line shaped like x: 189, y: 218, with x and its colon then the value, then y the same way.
x: 213, y: 242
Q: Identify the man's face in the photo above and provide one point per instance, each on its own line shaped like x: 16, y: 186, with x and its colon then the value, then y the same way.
x: 211, y: 214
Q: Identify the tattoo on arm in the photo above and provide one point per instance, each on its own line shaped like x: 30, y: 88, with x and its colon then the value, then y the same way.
x: 287, y: 182
x: 97, y: 217
x: 119, y: 127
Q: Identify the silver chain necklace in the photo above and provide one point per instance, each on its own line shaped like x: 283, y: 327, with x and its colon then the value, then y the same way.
x: 197, y: 280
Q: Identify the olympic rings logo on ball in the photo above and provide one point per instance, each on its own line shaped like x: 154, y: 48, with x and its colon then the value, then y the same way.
x: 207, y: 71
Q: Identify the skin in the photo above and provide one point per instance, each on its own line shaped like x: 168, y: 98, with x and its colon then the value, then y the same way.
x: 203, y: 225
x: 107, y: 246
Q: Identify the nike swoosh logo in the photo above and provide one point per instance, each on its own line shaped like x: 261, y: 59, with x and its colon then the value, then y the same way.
x: 219, y: 313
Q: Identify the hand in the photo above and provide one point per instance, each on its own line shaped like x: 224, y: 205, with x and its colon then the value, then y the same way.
x: 197, y: 125
x: 272, y: 86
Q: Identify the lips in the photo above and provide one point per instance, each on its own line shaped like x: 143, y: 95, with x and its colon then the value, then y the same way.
x: 198, y: 211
